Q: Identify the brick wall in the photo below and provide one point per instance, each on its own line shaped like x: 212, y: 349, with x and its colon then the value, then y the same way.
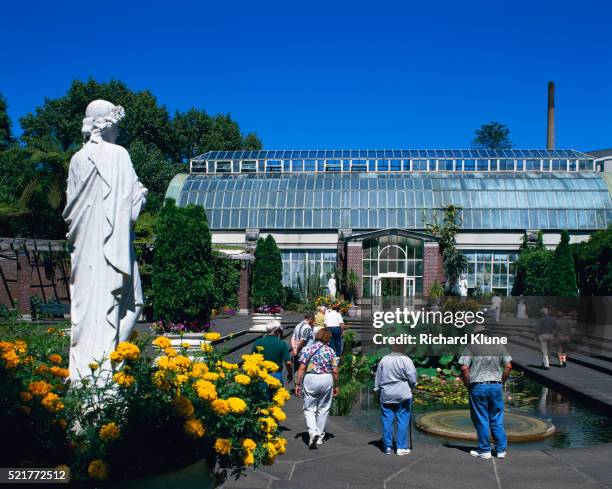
x: 27, y: 273
x: 354, y: 260
x: 244, y: 290
x: 432, y: 266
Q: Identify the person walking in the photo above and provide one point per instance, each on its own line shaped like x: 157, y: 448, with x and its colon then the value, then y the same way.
x: 335, y: 324
x: 394, y: 381
x: 545, y: 334
x: 274, y: 349
x: 484, y: 370
x: 319, y: 321
x: 317, y: 379
x: 496, y: 303
x: 302, y: 336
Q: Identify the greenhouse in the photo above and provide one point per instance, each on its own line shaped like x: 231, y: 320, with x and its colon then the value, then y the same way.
x: 321, y: 206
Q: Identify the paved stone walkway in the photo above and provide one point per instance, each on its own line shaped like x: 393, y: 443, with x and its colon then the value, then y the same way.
x: 351, y: 459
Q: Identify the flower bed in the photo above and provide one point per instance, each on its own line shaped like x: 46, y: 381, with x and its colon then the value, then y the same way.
x: 144, y: 415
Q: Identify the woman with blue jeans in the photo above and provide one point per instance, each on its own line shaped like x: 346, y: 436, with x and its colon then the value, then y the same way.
x: 395, y: 379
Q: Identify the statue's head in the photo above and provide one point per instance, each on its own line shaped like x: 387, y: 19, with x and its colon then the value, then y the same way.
x: 102, y: 121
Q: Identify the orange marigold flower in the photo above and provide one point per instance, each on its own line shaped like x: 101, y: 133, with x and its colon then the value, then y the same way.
x: 55, y: 358
x: 39, y: 388
x: 52, y: 403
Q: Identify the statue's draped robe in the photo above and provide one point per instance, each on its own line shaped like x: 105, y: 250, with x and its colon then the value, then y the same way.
x: 104, y: 198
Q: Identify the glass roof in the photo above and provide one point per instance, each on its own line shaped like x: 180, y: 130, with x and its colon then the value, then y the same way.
x: 390, y: 153
x: 368, y: 201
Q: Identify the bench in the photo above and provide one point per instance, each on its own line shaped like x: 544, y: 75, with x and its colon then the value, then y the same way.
x: 56, y: 309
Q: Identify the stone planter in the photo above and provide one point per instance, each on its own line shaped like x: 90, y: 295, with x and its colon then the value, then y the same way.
x: 260, y: 320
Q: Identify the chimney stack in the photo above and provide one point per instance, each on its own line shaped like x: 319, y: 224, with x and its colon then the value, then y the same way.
x: 550, y: 126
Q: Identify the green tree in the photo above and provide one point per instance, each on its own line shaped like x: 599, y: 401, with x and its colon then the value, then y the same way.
x: 593, y: 260
x: 267, y: 287
x: 196, y: 132
x: 154, y: 170
x: 182, y: 275
x: 563, y: 278
x: 226, y: 281
x: 534, y: 270
x: 454, y: 260
x: 493, y: 135
x: 6, y: 137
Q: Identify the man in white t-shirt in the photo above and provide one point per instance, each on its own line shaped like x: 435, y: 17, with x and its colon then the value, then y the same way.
x: 302, y: 337
x: 335, y: 324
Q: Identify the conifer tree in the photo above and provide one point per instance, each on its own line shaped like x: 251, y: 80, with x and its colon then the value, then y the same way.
x: 563, y: 279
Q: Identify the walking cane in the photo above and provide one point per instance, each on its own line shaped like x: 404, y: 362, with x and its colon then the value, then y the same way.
x: 410, y: 427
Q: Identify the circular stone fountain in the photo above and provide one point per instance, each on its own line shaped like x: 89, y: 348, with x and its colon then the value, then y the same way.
x: 457, y: 424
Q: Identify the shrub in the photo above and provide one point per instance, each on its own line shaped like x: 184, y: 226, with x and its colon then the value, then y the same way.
x: 182, y: 279
x: 267, y: 287
x: 563, y: 273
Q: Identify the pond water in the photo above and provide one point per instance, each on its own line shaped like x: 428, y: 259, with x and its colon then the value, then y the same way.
x: 577, y: 423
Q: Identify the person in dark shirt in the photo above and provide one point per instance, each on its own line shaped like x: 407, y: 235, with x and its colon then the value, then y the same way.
x: 274, y: 349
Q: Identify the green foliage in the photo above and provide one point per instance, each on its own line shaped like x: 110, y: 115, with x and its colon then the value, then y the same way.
x: 454, y: 260
x: 226, y: 281
x: 593, y: 260
x: 6, y: 136
x: 311, y: 286
x: 352, y: 284
x: 436, y: 290
x: 493, y: 135
x: 183, y: 283
x: 267, y: 287
x: 563, y: 272
x: 533, y: 272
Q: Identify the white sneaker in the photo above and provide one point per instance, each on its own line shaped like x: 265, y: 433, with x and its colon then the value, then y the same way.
x: 501, y: 454
x: 320, y: 439
x: 485, y: 455
x: 402, y: 451
x: 312, y: 441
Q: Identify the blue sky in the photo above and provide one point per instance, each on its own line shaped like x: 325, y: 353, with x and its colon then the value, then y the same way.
x: 332, y: 74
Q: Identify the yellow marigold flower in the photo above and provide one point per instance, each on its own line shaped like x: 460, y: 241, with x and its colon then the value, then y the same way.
x: 162, y: 342
x: 25, y: 396
x: 251, y: 369
x: 282, y: 395
x: 220, y: 407
x: 42, y: 369
x: 163, y: 363
x: 109, y: 431
x: 180, y: 379
x: 50, y: 330
x: 198, y: 369
x: 242, y: 379
x: 248, y: 459
x: 281, y: 445
x: 183, y: 407
x: 271, y: 366
x: 205, y: 390
x: 60, y: 372
x: 210, y: 376
x: 39, y: 388
x: 160, y: 380
x: 21, y: 347
x: 123, y: 379
x: 93, y: 366
x: 256, y: 358
x: 194, y: 428
x: 98, y: 469
x: 128, y: 350
x: 271, y: 449
x: 278, y: 414
x: 184, y: 344
x: 249, y: 444
x: 116, y: 357
x: 223, y: 446
x: 272, y: 382
x: 11, y: 359
x: 52, y: 403
x: 171, y: 352
x: 55, y: 358
x: 206, y: 347
x: 237, y: 405
x: 212, y: 336
x: 268, y: 424
x: 265, y: 412
x: 229, y: 366
x: 180, y: 362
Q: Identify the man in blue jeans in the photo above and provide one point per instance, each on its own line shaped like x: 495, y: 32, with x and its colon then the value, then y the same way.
x: 484, y: 370
x: 395, y: 379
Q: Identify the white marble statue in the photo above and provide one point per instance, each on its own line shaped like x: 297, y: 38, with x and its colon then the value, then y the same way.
x: 462, y: 286
x: 104, y: 199
x: 331, y: 285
